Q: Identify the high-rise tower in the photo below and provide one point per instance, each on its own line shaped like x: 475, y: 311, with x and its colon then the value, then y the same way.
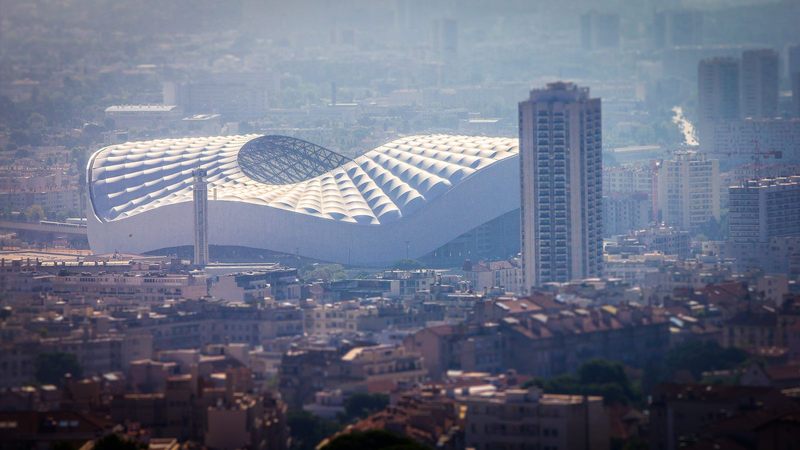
x: 200, y: 194
x: 681, y: 27
x: 794, y: 78
x: 718, y: 93
x: 599, y: 30
x: 795, y: 94
x: 561, y: 179
x: 759, y: 84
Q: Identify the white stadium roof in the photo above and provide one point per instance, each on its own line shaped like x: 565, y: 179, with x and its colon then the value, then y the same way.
x: 288, y: 195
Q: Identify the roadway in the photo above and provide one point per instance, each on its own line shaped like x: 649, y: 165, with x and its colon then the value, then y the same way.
x: 49, y: 227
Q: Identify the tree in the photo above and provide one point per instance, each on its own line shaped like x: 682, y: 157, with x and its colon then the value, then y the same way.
x: 636, y: 444
x: 51, y: 367
x: 361, y: 405
x: 64, y: 445
x: 408, y: 264
x: 596, y: 377
x: 695, y: 357
x: 35, y: 213
x: 373, y: 440
x: 115, y: 442
x: 6, y: 211
x: 80, y: 157
x: 60, y: 216
x: 21, y: 153
x: 602, y: 372
x: 698, y: 356
x: 37, y: 124
x: 325, y: 272
x: 712, y: 229
x: 631, y: 443
x: 308, y: 430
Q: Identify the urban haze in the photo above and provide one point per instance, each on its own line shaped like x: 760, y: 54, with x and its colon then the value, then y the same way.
x: 399, y: 224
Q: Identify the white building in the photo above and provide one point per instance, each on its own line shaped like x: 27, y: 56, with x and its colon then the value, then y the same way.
x: 202, y: 124
x: 234, y: 95
x: 139, y: 287
x: 623, y: 213
x: 494, y: 274
x: 628, y: 179
x: 137, y: 117
x: 688, y: 190
x: 241, y: 287
x: 334, y: 318
x: 633, y: 269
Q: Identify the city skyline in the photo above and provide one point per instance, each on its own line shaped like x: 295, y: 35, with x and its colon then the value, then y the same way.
x: 399, y: 224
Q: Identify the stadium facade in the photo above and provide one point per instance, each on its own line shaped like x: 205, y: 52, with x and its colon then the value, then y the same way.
x: 424, y: 196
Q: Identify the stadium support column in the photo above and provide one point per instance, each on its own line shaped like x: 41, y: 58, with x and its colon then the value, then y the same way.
x: 200, y: 192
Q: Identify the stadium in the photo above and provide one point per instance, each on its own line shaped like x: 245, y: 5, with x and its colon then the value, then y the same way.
x: 437, y: 197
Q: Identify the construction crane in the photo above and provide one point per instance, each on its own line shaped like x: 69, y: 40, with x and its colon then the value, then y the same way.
x: 757, y: 156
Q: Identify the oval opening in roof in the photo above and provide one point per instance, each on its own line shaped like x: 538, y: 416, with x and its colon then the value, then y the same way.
x: 284, y: 160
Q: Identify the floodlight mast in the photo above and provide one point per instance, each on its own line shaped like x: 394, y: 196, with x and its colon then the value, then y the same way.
x: 200, y: 201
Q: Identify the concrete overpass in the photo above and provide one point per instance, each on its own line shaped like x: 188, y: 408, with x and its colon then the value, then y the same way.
x: 60, y: 228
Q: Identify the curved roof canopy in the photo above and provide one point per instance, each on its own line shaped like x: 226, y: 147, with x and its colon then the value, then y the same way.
x: 382, y: 185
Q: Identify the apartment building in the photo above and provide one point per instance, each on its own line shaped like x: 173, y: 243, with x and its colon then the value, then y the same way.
x: 95, y: 354
x: 341, y: 317
x: 528, y: 419
x: 760, y: 139
x: 547, y: 344
x: 762, y: 209
x: 494, y: 274
x: 154, y: 287
x: 219, y: 323
x: 383, y: 367
x: 459, y: 347
x: 623, y: 213
x: 629, y: 179
x: 688, y: 190
x: 561, y: 180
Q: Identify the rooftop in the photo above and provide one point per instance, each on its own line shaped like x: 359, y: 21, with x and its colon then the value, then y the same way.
x: 141, y: 108
x: 290, y: 174
x: 765, y: 183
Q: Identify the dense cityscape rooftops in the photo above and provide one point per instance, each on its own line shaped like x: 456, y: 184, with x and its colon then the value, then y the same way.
x: 399, y: 224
